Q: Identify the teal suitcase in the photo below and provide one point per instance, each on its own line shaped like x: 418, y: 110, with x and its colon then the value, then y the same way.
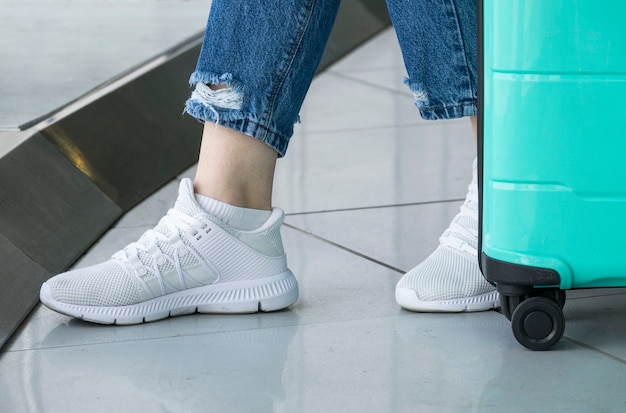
x: 552, y: 155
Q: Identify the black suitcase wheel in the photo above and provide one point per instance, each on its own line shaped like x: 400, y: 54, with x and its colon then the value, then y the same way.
x: 508, y: 303
x: 538, y: 323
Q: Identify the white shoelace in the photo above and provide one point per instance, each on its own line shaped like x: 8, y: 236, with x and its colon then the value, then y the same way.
x: 458, y: 236
x: 175, y: 221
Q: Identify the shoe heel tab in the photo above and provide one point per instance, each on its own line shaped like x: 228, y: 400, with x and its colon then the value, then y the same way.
x: 267, y: 238
x: 277, y: 217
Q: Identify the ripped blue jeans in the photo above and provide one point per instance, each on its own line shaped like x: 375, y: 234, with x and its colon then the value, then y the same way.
x: 264, y: 55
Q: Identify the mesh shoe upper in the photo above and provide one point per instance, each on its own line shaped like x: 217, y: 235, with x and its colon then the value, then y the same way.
x: 452, y: 270
x: 188, y: 248
x: 106, y: 284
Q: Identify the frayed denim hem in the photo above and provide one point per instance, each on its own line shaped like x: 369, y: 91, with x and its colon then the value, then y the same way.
x: 238, y: 121
x: 225, y: 106
x: 445, y: 107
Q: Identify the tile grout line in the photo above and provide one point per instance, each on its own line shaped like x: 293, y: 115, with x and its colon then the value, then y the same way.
x: 351, y: 251
x: 609, y: 294
x: 413, y: 124
x: 155, y: 338
x: 594, y: 349
x: 445, y: 201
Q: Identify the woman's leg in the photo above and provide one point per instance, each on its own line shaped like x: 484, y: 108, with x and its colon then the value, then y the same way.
x: 253, y: 72
x: 438, y: 41
x: 234, y: 168
x: 219, y: 248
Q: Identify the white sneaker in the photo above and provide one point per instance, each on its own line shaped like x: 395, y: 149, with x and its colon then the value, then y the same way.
x: 189, y: 262
x: 449, y: 280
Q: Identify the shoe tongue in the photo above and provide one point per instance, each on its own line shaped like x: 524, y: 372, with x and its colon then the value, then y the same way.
x: 186, y: 201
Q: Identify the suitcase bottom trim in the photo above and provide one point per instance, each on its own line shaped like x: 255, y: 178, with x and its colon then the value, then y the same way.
x: 501, y: 272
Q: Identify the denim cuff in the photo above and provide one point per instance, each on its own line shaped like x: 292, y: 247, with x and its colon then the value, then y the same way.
x: 449, y: 112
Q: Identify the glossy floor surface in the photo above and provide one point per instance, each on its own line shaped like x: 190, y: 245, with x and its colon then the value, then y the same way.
x: 368, y: 188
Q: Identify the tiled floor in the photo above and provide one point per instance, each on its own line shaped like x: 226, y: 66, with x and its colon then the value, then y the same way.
x: 368, y: 188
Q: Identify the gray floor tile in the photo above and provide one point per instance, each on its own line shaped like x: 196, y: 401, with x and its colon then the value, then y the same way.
x: 400, y: 236
x: 384, y: 47
x: 388, y: 79
x: 593, y: 292
x: 404, y: 363
x: 224, y: 372
x: 598, y: 322
x: 335, y: 103
x: 375, y: 167
x: 446, y: 363
x: 387, y: 71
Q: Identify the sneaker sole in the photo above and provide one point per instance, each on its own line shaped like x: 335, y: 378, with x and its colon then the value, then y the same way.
x: 407, y: 299
x: 241, y: 297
